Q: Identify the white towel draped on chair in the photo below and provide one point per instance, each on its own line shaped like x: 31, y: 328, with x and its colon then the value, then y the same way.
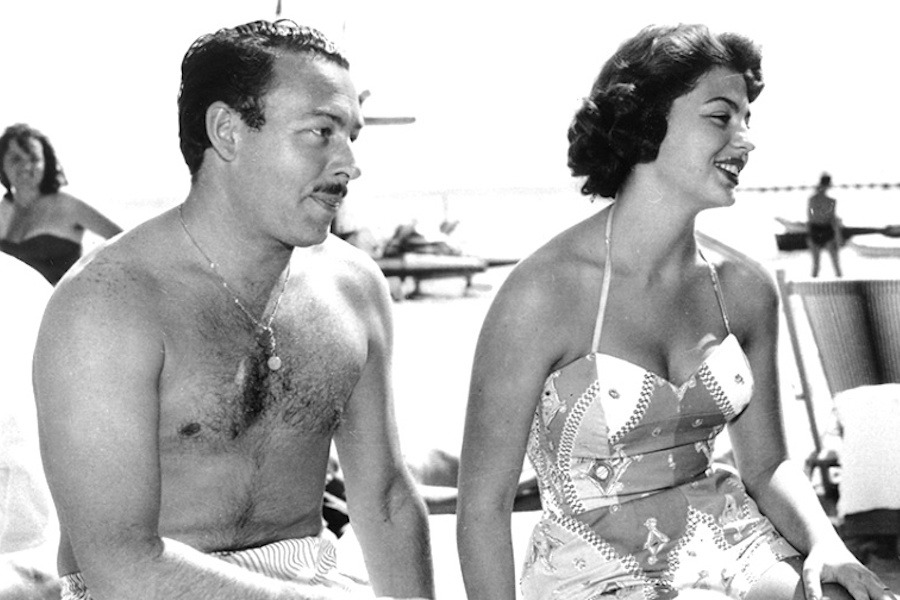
x: 870, y: 448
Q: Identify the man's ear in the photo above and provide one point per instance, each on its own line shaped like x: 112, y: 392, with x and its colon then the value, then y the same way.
x: 222, y: 123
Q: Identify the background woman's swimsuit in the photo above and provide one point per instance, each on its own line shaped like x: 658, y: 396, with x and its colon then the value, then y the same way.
x: 50, y: 255
x: 633, y: 507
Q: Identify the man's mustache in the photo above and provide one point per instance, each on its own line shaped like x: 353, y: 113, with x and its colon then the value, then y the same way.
x: 333, y: 189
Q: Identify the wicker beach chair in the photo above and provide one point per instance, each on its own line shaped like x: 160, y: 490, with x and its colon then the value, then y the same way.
x: 855, y: 326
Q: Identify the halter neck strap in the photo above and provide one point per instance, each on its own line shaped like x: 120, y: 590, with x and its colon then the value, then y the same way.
x: 717, y: 287
x: 607, y: 276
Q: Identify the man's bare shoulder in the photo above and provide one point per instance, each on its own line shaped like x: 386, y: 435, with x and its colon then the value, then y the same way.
x: 106, y: 317
x: 122, y: 280
x: 345, y: 264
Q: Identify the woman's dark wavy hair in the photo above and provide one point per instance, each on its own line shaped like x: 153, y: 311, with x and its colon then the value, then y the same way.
x: 624, y: 120
x: 236, y: 66
x: 54, y: 177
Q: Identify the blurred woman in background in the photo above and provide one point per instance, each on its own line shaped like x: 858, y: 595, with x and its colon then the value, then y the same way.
x: 40, y: 225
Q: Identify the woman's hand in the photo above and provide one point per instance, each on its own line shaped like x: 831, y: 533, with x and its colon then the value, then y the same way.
x: 836, y: 564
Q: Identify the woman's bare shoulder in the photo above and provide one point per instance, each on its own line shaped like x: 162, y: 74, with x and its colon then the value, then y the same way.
x: 551, y: 282
x: 746, y: 275
x: 63, y: 201
x: 750, y: 292
x: 70, y: 204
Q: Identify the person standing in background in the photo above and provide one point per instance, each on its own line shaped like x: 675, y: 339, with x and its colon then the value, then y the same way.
x: 823, y: 226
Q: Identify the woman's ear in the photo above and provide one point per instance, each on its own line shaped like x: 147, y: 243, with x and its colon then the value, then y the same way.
x: 222, y: 123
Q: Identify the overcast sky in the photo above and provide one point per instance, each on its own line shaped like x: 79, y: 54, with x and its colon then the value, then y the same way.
x: 493, y: 85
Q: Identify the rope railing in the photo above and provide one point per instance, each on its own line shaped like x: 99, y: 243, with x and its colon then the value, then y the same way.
x: 843, y: 186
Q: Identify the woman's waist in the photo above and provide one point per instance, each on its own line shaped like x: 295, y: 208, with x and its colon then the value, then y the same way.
x: 708, y: 485
x: 594, y: 481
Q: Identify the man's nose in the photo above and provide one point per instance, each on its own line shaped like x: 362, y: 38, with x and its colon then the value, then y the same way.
x: 345, y: 163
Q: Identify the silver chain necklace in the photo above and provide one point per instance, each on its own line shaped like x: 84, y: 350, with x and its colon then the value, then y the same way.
x: 265, y: 334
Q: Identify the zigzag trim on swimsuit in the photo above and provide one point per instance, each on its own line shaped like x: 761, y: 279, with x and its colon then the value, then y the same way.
x: 716, y: 391
x: 628, y: 562
x: 547, y: 472
x: 573, y: 423
x: 639, y: 411
x: 567, y: 442
x: 694, y: 518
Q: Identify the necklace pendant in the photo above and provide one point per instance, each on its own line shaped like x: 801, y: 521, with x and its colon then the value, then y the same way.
x: 274, y: 363
x: 264, y: 338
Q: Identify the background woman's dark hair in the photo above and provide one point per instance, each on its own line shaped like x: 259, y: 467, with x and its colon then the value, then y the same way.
x: 624, y: 120
x: 54, y: 178
x: 236, y: 66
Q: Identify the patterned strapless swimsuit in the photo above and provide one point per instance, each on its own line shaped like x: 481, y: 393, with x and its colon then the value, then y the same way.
x: 633, y: 505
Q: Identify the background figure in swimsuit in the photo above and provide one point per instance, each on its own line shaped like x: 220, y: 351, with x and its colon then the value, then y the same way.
x: 192, y: 374
x: 688, y: 347
x: 39, y: 224
x: 824, y: 226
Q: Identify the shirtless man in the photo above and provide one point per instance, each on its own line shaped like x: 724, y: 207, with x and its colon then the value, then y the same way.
x: 192, y: 373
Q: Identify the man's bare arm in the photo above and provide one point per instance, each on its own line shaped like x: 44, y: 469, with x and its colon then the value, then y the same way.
x: 386, y: 511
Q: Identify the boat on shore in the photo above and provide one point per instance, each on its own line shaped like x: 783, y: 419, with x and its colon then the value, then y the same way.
x: 793, y: 237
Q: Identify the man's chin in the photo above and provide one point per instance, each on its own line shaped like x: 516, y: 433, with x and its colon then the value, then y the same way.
x: 311, y: 240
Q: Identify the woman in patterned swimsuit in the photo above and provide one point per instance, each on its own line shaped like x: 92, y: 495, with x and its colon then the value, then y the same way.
x: 617, y: 352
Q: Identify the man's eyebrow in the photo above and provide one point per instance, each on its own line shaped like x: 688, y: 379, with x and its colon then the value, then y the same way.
x: 337, y: 118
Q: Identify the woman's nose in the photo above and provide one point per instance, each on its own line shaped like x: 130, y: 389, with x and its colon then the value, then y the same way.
x: 742, y: 139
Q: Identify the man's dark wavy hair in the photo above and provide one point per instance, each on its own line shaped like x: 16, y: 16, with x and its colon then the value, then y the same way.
x: 624, y: 120
x: 54, y: 178
x: 235, y: 65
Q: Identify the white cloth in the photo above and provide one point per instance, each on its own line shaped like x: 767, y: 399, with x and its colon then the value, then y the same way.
x: 27, y: 517
x: 870, y: 448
